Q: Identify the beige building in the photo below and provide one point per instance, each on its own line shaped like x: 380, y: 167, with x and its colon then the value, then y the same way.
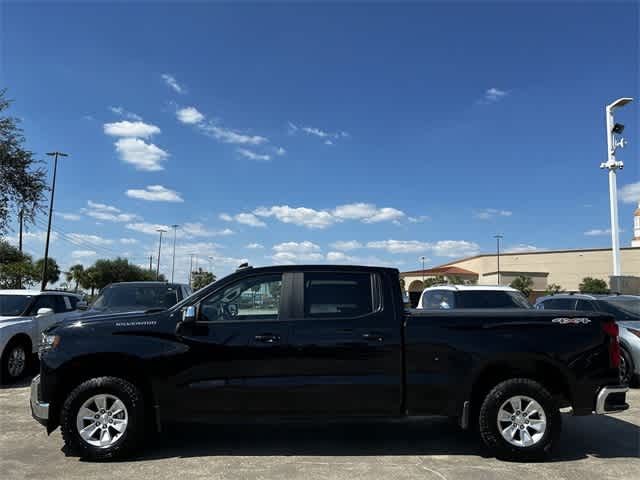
x: 566, y: 268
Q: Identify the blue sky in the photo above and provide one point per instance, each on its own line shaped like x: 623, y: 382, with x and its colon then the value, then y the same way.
x: 371, y: 133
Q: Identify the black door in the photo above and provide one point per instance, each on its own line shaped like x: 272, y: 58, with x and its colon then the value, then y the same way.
x: 347, y: 346
x: 237, y: 352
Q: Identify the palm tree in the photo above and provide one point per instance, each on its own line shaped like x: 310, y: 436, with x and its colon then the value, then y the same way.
x: 75, y: 274
x: 524, y: 284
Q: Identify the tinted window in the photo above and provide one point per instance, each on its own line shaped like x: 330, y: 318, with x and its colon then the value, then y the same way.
x: 438, y: 300
x: 490, y: 299
x: 252, y: 298
x: 559, y: 304
x: 14, y: 305
x: 586, y: 305
x: 343, y: 295
x: 616, y: 311
x: 44, y: 301
x: 123, y: 297
x: 73, y: 301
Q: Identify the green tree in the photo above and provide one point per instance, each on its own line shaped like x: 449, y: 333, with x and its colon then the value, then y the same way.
x: 103, y: 272
x: 16, y: 268
x: 593, y: 285
x: 553, y: 288
x: 201, y: 279
x: 430, y: 282
x: 75, y: 274
x: 53, y: 270
x: 524, y: 284
x: 22, y: 181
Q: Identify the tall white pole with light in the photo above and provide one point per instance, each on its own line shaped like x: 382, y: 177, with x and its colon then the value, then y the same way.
x: 613, y: 165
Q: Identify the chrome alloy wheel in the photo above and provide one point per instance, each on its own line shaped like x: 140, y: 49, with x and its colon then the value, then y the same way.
x: 102, y: 420
x: 522, y: 421
x: 17, y: 361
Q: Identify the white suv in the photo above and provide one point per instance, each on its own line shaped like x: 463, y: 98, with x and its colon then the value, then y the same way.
x: 24, y: 314
x: 441, y: 297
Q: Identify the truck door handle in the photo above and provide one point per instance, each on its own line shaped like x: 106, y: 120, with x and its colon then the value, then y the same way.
x: 267, y: 338
x: 373, y: 337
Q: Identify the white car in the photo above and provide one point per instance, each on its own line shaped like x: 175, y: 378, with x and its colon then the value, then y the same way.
x: 441, y: 297
x: 24, y: 314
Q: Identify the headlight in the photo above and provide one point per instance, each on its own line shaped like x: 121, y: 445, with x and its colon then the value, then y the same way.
x: 49, y: 342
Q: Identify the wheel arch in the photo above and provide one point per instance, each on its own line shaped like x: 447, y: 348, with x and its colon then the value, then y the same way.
x: 83, y: 368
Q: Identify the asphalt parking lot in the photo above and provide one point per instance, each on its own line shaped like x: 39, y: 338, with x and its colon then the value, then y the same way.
x: 596, y: 447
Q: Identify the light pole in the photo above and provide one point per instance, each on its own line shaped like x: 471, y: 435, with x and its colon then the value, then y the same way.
x: 613, y: 165
x: 161, y: 231
x: 173, y: 261
x: 191, y: 255
x: 424, y: 259
x: 55, y: 156
x: 498, y: 237
x: 210, y: 263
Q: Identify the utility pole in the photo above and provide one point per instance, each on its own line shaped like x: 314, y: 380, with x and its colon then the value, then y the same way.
x: 191, y: 255
x: 173, y: 261
x: 55, y: 155
x: 423, y: 258
x: 498, y: 237
x: 151, y: 263
x: 613, y: 165
x: 161, y: 231
x: 21, y: 221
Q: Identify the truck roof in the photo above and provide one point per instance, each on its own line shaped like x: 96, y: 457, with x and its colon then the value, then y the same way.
x: 481, y: 288
x: 319, y: 268
x: 34, y: 292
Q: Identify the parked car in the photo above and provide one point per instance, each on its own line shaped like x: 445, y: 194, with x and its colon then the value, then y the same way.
x: 471, y: 296
x: 626, y: 310
x: 135, y: 297
x: 326, y: 341
x: 24, y: 314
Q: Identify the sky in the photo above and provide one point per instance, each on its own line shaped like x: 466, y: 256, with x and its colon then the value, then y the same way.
x: 302, y: 132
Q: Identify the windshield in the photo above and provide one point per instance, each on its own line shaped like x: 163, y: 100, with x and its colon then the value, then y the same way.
x: 136, y: 297
x: 14, y: 305
x: 628, y: 307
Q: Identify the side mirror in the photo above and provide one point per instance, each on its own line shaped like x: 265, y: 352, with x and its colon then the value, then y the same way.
x: 189, y: 314
x: 44, y: 312
x: 82, y: 305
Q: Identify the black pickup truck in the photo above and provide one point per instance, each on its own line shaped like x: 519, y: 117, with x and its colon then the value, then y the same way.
x: 318, y: 341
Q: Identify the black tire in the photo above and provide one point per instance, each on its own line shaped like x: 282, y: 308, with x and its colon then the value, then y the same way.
x: 130, y: 440
x: 626, y: 367
x: 7, y: 374
x: 488, y: 420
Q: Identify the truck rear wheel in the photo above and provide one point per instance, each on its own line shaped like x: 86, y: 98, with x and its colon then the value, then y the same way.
x: 519, y: 420
x: 103, y: 418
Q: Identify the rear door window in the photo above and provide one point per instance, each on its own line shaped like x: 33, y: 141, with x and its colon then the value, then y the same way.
x: 559, y: 304
x: 585, y: 305
x: 339, y: 295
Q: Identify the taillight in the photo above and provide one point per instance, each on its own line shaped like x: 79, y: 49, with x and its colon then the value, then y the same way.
x: 612, y: 331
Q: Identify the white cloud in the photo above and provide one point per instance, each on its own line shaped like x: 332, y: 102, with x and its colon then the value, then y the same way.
x: 88, y: 238
x: 171, y: 81
x: 346, y: 245
x: 341, y: 257
x: 128, y: 241
x: 400, y: 246
x: 254, y: 246
x: 280, y: 151
x: 442, y: 248
x: 68, y: 216
x: 227, y: 135
x: 155, y: 193
x: 142, y: 155
x: 253, y: 155
x: 295, y: 252
x: 521, y: 248
x: 630, y: 193
x: 493, y: 95
x: 418, y: 219
x: 126, y: 128
x: 489, y: 213
x: 316, y: 131
x: 148, y: 228
x: 301, y: 216
x: 77, y: 254
x: 108, y: 213
x: 292, y: 128
x: 226, y: 217
x: 596, y: 232
x: 123, y: 113
x: 249, y: 219
x: 455, y: 248
x: 311, y: 218
x: 189, y: 115
x: 329, y: 138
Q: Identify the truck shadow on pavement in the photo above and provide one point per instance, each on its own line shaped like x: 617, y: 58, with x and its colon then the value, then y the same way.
x: 601, y: 437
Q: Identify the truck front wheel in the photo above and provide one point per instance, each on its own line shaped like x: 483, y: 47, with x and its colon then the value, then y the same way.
x: 103, y: 418
x: 519, y: 420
